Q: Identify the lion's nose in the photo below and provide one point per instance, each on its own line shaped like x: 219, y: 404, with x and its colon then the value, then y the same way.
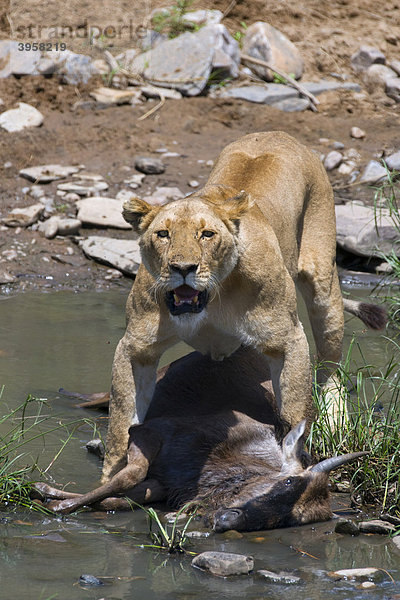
x: 183, y: 268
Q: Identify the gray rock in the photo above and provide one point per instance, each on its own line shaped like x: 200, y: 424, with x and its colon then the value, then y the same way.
x: 87, y: 176
x: 125, y: 59
x: 23, y: 62
x: 319, y: 87
x: 36, y: 191
x: 135, y: 181
x: 223, y: 563
x: 338, y: 145
x: 368, y: 573
x: 395, y: 65
x: 333, y: 160
x: 23, y: 117
x: 83, y: 188
x: 347, y: 527
x: 346, y: 168
x: 264, y: 42
x: 46, y: 66
x: 262, y: 94
x: 392, y: 88
x: 377, y: 76
x: 150, y: 40
x: 373, y: 172
x: 59, y: 226
x: 149, y: 165
x: 96, y: 447
x: 282, y: 577
x: 114, y: 97
x: 203, y: 17
x: 124, y: 195
x: 48, y: 173
x: 393, y: 161
x: 198, y: 534
x: 102, y: 212
x: 292, y: 104
x: 73, y: 68
x: 365, y: 57
x: 376, y: 526
x: 123, y: 255
x: 186, y: 62
x: 162, y: 195
x: 23, y: 217
x: 362, y: 232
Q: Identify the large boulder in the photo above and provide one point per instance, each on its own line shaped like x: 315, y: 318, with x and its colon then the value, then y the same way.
x: 364, y: 231
x: 185, y: 63
x: 266, y: 43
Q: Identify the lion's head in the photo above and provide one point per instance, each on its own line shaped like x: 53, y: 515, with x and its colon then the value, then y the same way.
x: 189, y: 246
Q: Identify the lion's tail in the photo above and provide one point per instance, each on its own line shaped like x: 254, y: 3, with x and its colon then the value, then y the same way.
x: 374, y: 316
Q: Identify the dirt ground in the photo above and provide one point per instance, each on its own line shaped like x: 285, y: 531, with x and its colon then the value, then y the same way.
x: 106, y: 141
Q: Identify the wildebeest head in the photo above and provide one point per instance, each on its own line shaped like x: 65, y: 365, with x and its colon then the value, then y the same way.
x: 293, y: 496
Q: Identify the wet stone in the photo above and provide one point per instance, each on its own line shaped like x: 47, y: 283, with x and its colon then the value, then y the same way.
x: 346, y: 527
x: 149, y: 165
x: 376, y: 526
x: 91, y: 580
x: 282, y: 577
x: 96, y: 447
x: 364, y: 574
x: 223, y: 564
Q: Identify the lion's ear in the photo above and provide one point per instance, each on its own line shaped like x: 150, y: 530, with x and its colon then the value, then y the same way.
x: 238, y: 205
x: 139, y: 213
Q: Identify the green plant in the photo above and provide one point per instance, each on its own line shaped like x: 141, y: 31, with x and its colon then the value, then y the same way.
x: 387, y: 197
x: 371, y: 423
x: 22, y: 430
x: 239, y: 35
x: 279, y: 79
x: 164, y: 537
x: 172, y: 20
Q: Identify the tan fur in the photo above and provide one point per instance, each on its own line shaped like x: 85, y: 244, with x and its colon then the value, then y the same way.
x: 270, y: 207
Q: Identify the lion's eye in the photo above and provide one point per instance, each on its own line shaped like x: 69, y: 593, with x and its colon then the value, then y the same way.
x: 288, y: 481
x: 207, y: 234
x: 163, y: 233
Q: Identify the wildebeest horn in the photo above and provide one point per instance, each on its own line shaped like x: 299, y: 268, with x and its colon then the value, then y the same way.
x: 336, y: 461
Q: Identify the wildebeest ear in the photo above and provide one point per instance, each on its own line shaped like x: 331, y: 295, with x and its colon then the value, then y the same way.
x: 139, y: 213
x: 236, y: 207
x: 292, y: 447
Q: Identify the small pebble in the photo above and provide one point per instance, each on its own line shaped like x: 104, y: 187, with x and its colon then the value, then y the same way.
x: 357, y: 133
x: 8, y: 165
x: 194, y: 183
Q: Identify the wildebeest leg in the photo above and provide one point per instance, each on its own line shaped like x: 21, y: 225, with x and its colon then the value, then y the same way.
x: 143, y: 448
x: 42, y: 491
x: 145, y: 492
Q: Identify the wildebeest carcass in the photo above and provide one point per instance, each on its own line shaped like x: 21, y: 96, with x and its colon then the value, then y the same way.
x: 192, y: 447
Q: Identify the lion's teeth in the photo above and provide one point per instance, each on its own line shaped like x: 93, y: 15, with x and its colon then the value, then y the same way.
x: 195, y: 299
x: 176, y: 299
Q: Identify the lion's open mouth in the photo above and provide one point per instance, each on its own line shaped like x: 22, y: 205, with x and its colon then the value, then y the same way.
x: 186, y: 299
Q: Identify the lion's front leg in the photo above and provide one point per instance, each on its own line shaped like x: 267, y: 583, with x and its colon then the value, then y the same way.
x: 291, y: 378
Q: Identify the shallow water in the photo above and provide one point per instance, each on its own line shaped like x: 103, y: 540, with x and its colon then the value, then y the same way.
x: 66, y: 339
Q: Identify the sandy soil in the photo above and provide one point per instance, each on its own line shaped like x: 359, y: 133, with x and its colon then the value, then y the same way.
x: 106, y: 141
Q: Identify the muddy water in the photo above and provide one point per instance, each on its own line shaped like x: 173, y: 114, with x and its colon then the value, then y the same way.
x: 68, y: 340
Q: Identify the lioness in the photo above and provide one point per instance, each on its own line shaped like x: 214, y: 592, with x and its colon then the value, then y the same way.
x: 219, y: 271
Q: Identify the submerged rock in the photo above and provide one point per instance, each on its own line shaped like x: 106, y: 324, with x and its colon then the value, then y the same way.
x: 224, y: 564
x: 377, y: 526
x: 367, y: 573
x: 282, y: 577
x: 346, y: 527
